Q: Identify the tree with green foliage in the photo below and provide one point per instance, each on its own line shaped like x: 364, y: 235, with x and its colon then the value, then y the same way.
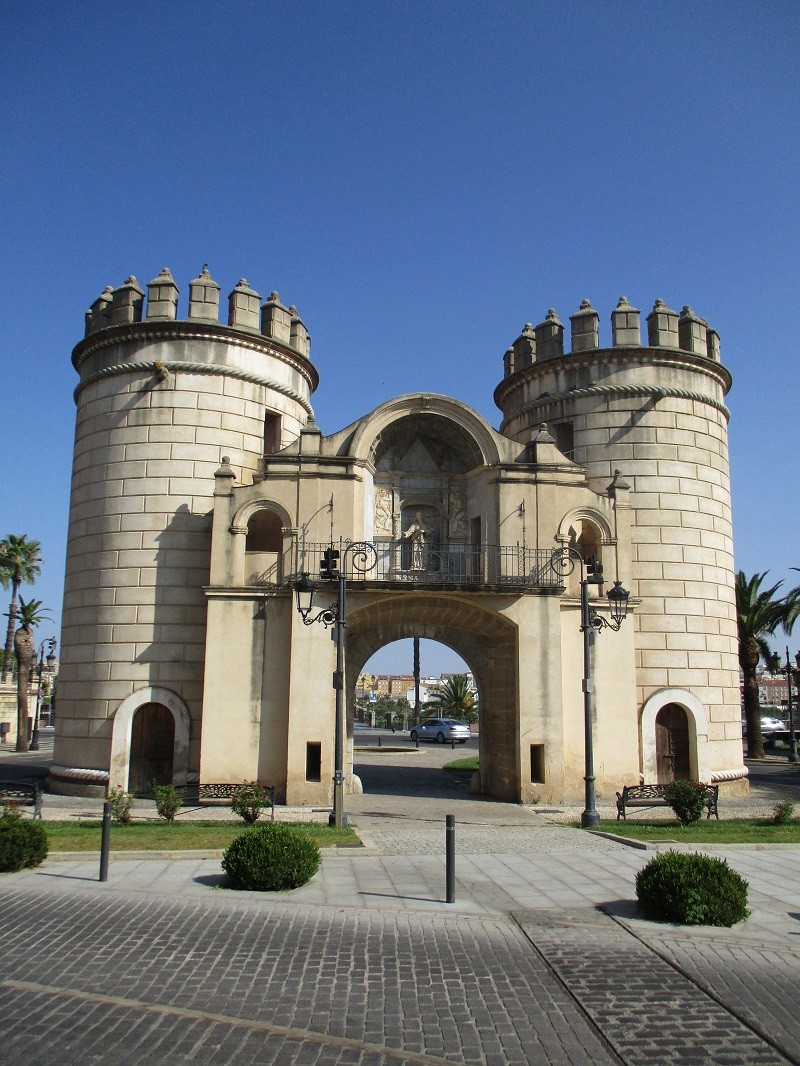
x: 30, y: 615
x: 759, y: 612
x: 19, y: 565
x: 456, y: 698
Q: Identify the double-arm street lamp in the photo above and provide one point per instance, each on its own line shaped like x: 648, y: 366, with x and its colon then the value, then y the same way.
x: 362, y: 558
x: 51, y: 661
x: 563, y: 562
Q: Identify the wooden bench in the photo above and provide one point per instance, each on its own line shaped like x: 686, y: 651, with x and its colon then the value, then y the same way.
x: 642, y: 796
x: 25, y: 793
x: 218, y: 793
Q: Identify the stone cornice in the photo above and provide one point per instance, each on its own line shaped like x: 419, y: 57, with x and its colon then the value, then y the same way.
x: 155, y: 330
x: 625, y: 357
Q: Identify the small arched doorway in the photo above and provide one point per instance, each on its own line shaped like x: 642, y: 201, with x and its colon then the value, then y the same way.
x: 672, y: 744
x: 152, y: 748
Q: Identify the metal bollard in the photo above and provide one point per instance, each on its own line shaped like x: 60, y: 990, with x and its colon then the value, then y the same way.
x: 450, y: 856
x: 453, y: 745
x: 105, y: 841
x: 379, y: 741
x: 417, y: 743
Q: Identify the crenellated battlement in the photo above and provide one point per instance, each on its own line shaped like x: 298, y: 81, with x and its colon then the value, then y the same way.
x: 127, y: 304
x: 665, y: 329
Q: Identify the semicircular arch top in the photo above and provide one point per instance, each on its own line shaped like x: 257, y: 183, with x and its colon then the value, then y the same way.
x: 454, y: 425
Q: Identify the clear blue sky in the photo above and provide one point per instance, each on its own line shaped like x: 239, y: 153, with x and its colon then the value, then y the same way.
x: 420, y: 179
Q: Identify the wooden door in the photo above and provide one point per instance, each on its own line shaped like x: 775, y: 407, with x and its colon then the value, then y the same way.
x: 152, y: 748
x: 672, y: 744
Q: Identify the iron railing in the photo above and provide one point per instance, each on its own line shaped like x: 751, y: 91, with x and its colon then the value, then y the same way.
x: 457, y: 564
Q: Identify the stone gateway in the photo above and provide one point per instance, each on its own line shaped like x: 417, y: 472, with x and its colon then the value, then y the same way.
x: 202, y: 488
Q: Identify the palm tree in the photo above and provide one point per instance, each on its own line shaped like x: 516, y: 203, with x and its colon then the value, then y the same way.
x: 30, y: 615
x: 19, y: 563
x: 455, y: 695
x: 758, y: 615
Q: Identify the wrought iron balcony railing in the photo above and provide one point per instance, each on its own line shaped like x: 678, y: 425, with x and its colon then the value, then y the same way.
x: 457, y: 564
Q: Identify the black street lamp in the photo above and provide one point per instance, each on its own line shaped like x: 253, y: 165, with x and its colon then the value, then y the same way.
x: 51, y: 660
x: 563, y: 562
x: 792, y: 738
x: 362, y: 558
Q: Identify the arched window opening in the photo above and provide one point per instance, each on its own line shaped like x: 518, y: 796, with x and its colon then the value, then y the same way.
x: 263, y: 548
x: 264, y: 532
x: 585, y: 536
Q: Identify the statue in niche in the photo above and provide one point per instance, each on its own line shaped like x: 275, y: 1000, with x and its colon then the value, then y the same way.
x: 384, y: 507
x: 417, y: 533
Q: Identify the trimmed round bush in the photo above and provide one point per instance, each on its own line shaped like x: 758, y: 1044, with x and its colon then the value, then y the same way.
x: 270, y: 858
x: 691, y: 890
x: 687, y: 799
x: 22, y: 844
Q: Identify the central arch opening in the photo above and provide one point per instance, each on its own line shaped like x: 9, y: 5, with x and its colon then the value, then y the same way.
x: 479, y: 644
x: 405, y: 732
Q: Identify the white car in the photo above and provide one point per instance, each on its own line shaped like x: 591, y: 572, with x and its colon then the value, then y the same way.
x: 441, y: 730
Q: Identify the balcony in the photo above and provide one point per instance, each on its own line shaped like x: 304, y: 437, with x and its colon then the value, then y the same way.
x: 398, y: 564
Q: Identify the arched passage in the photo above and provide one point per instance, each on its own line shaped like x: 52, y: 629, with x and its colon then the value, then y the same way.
x: 484, y: 639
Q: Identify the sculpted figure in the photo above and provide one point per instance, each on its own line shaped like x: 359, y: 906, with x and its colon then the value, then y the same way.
x: 416, y: 533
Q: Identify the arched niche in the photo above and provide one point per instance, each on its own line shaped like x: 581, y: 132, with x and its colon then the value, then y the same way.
x: 262, y: 540
x: 697, y: 720
x: 587, y: 531
x: 122, y: 727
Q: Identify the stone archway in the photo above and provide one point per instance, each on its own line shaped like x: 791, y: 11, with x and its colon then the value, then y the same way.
x: 483, y: 638
x: 122, y: 734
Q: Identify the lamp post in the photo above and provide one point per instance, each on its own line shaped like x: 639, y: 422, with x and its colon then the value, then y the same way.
x: 362, y: 558
x: 792, y: 757
x: 51, y: 659
x: 564, y: 561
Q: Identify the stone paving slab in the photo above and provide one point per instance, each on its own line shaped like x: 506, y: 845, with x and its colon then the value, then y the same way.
x: 757, y: 981
x: 646, y: 1008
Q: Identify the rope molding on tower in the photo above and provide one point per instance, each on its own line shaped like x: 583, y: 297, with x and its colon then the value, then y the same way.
x: 196, y: 368
x: 623, y: 390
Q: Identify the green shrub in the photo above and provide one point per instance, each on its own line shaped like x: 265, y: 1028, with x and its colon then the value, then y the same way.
x: 687, y: 799
x: 121, y: 805
x: 691, y: 890
x: 269, y: 858
x: 249, y: 801
x: 22, y: 843
x: 783, y: 813
x: 169, y: 799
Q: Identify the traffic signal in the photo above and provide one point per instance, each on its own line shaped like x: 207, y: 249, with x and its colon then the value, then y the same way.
x: 329, y: 564
x: 594, y: 570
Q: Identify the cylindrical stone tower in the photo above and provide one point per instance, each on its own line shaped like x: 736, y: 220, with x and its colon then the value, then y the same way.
x: 656, y: 413
x: 159, y: 403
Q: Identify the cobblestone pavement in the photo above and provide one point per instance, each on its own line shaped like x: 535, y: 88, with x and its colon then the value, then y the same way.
x: 87, y: 979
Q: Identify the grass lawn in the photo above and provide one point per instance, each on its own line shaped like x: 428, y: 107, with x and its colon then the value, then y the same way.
x: 470, y: 762
x: 179, y: 836
x: 711, y: 831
